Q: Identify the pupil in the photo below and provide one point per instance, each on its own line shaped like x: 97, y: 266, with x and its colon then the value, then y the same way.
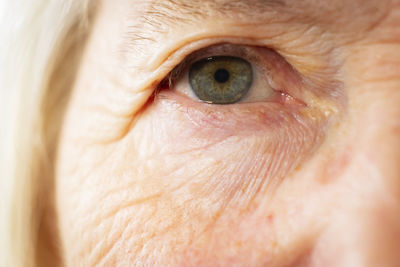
x: 221, y: 75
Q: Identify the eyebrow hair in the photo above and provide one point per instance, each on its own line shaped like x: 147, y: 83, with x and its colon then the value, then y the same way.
x: 163, y: 14
x: 183, y: 9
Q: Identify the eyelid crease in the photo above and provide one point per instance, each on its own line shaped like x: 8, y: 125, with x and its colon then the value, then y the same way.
x: 220, y: 34
x: 177, y: 51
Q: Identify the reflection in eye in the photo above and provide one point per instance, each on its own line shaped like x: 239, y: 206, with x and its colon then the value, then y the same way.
x: 221, y: 79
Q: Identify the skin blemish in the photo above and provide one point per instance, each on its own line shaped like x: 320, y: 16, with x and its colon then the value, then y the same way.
x: 270, y: 218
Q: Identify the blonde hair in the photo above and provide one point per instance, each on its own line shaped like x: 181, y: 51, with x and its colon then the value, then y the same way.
x: 37, y: 39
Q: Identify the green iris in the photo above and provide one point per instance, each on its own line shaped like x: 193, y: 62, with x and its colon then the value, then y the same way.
x: 221, y: 79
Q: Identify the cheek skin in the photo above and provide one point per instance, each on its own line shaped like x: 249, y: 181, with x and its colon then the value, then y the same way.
x: 167, y: 191
x: 234, y: 158
x: 227, y: 145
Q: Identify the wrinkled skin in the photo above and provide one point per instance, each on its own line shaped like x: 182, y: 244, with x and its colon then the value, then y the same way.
x: 309, y: 179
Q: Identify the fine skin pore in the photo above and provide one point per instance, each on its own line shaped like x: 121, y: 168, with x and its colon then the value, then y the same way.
x: 306, y: 175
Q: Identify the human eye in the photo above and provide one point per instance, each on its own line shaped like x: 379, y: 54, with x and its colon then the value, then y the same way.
x: 225, y: 74
x: 230, y: 75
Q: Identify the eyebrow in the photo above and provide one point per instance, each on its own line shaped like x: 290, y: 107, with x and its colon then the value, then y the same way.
x: 164, y: 14
x: 184, y: 9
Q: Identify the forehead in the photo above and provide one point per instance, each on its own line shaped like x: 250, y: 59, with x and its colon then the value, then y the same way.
x: 145, y: 25
x: 187, y: 9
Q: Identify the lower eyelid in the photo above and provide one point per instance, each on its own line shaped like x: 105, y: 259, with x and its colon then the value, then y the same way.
x: 239, y: 119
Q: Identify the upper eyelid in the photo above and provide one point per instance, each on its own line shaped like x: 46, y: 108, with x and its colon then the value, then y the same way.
x: 171, y: 51
x: 170, y: 61
x: 181, y: 50
x: 220, y: 49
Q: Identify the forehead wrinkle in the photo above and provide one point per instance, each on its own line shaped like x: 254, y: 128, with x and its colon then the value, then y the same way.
x: 161, y: 15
